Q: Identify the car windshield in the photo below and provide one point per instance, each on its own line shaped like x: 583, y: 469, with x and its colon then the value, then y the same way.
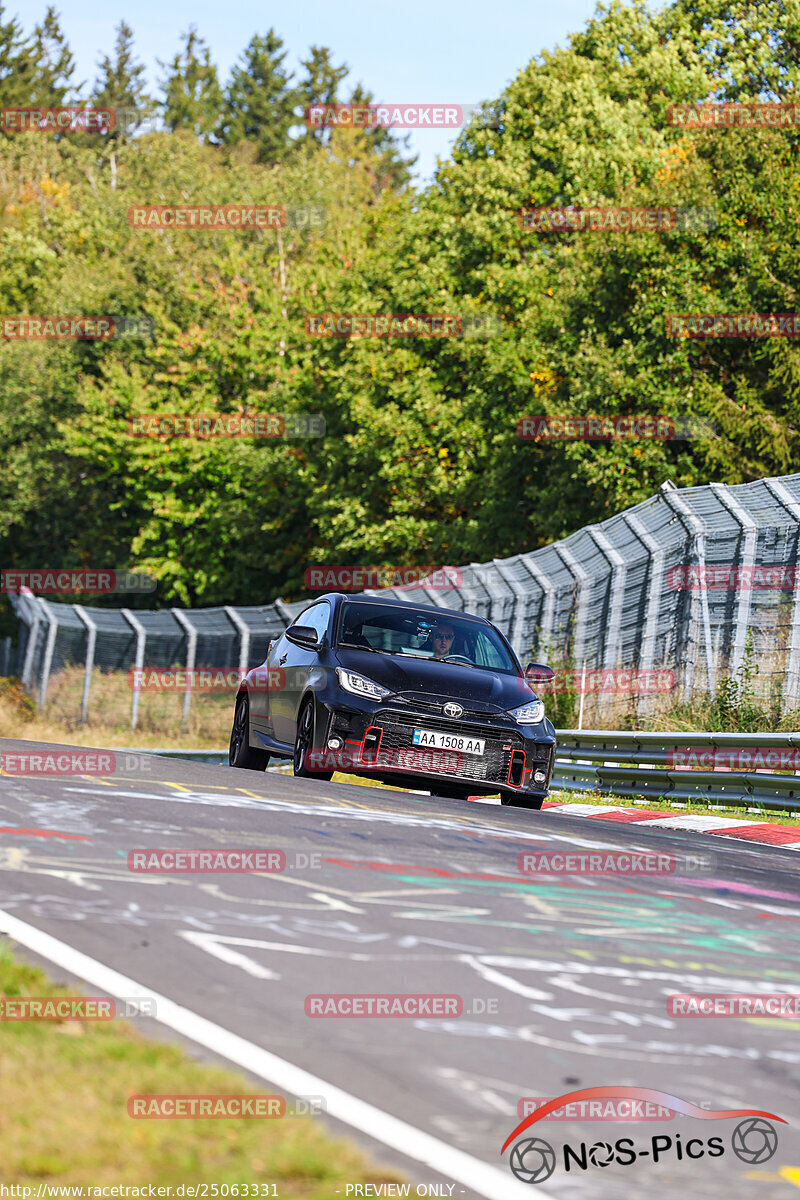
x: 421, y: 633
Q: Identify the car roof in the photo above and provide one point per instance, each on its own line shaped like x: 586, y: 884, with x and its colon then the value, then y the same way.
x: 390, y: 602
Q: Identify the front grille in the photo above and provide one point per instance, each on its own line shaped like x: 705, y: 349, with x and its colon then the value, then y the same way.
x: 429, y: 702
x: 490, y: 767
x: 460, y: 727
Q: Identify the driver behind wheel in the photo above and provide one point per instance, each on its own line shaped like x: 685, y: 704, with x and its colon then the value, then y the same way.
x: 441, y: 639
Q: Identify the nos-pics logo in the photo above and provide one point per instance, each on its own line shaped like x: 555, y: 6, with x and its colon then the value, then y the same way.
x: 533, y: 1160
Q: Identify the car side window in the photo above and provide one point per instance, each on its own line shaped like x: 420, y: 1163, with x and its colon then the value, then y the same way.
x: 317, y: 617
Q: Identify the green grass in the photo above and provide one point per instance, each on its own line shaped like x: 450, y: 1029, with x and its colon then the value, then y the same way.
x: 64, y: 1114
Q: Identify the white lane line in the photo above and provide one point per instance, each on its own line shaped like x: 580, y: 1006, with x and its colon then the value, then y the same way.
x: 406, y: 1139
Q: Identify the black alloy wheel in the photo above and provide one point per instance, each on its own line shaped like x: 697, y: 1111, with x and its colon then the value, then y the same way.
x: 241, y: 753
x: 304, y: 746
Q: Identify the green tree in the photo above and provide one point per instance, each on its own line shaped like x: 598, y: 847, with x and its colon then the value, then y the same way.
x: 320, y: 85
x: 55, y: 63
x: 18, y: 66
x: 392, y: 162
x: 192, y: 93
x: 259, y: 100
x: 121, y: 82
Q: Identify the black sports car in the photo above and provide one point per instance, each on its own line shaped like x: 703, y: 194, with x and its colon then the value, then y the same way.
x: 408, y: 694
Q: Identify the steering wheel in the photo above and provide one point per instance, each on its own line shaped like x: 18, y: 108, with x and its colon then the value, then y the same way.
x: 458, y: 658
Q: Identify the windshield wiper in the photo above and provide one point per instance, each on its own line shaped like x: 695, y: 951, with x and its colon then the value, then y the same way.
x: 359, y: 646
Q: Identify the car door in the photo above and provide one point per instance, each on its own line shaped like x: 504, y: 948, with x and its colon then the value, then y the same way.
x: 299, y: 662
x: 259, y: 689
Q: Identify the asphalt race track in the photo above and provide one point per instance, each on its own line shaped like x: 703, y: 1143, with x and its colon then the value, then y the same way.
x: 563, y: 978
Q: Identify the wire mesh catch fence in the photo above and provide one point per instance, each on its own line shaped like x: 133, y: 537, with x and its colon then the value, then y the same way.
x: 664, y: 601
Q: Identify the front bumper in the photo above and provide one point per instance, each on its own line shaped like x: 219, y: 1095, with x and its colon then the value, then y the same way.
x: 377, y: 740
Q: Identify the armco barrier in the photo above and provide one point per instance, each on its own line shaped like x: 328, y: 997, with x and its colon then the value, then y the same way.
x: 623, y: 763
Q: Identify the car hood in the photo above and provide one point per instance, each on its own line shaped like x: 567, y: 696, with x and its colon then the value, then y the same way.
x: 451, y: 681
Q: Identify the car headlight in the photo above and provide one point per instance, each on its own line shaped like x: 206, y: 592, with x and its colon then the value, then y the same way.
x: 359, y: 685
x: 528, y: 714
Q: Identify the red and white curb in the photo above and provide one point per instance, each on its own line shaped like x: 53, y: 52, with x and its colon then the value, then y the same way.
x: 785, y: 836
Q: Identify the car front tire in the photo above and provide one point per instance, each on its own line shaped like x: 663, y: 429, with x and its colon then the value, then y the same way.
x: 304, y: 745
x: 241, y: 753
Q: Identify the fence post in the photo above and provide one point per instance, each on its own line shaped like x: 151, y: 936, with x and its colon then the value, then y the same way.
x: 283, y: 611
x: 141, y: 637
x: 48, y: 652
x: 657, y: 558
x: 619, y: 572
x: 33, y: 637
x: 791, y: 694
x: 91, y: 642
x: 699, y: 532
x: 244, y: 638
x: 750, y: 533
x: 191, y: 657
x: 549, y: 598
x: 582, y: 579
x: 520, y: 592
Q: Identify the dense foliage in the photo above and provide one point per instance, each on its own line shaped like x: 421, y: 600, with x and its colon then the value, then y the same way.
x: 421, y: 462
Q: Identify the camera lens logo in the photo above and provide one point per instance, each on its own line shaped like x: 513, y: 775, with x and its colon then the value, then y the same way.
x: 601, y: 1154
x: 533, y: 1160
x: 754, y: 1140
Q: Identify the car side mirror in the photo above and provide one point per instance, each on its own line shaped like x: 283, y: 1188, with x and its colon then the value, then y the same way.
x: 303, y: 635
x: 537, y: 674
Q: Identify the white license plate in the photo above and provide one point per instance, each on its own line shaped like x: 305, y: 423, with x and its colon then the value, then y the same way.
x: 448, y: 741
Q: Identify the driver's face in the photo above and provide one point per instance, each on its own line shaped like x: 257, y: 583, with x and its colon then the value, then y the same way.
x: 443, y: 640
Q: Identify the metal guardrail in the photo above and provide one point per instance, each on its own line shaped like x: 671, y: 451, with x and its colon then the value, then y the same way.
x: 631, y: 764
x: 214, y: 758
